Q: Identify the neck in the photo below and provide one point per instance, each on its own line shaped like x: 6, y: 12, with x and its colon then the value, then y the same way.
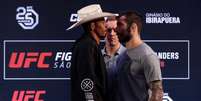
x: 134, y: 42
x: 111, y: 50
x: 95, y: 36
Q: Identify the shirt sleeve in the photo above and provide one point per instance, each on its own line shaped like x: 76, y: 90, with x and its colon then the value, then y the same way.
x: 152, y: 69
x: 90, y: 83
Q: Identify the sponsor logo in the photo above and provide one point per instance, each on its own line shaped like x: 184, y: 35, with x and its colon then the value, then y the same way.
x: 27, y: 17
x: 25, y: 59
x: 87, y: 84
x: 60, y: 59
x: 167, y: 56
x: 74, y: 18
x: 36, y: 60
x: 162, y: 18
x: 28, y: 95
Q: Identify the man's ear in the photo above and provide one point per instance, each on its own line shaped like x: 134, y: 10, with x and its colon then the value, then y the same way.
x: 92, y: 26
x: 133, y: 27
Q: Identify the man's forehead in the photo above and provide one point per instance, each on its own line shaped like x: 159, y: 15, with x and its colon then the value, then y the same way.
x: 111, y: 18
x: 122, y: 17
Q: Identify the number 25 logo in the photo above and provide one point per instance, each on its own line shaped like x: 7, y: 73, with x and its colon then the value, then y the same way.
x: 27, y: 18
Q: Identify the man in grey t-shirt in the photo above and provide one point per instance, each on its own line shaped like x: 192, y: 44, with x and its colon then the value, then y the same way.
x: 138, y: 67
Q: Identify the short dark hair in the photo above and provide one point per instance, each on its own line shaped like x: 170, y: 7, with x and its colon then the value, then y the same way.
x: 133, y: 17
x: 87, y: 27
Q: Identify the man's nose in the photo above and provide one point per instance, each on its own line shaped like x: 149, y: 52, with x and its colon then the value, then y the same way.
x: 112, y: 33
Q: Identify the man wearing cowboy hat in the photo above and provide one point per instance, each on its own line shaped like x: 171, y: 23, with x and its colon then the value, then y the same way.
x: 88, y: 71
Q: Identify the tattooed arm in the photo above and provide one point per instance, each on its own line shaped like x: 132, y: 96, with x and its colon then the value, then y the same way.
x: 156, y: 91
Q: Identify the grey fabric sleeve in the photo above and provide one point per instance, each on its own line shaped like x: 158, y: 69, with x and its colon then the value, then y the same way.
x: 152, y: 68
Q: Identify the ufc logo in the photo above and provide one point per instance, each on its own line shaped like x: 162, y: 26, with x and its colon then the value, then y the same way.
x: 29, y: 95
x: 22, y: 59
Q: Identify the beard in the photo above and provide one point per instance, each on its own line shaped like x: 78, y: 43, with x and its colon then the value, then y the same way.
x: 124, y: 37
x: 101, y: 37
x: 112, y: 45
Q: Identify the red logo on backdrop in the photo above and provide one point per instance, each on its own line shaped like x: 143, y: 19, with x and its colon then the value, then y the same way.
x: 33, y: 60
x: 28, y: 95
x: 24, y: 60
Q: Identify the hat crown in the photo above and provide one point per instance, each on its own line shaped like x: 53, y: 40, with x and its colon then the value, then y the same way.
x: 89, y: 11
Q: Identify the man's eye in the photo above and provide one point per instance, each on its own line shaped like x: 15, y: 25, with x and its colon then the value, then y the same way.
x: 109, y: 30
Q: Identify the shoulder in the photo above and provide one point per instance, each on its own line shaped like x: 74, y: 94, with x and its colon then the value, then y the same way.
x: 146, y: 50
x: 151, y: 58
x: 149, y: 54
x: 122, y: 49
x: 141, y: 52
x: 85, y: 42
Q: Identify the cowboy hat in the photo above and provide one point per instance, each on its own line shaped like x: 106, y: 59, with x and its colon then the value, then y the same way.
x: 89, y: 13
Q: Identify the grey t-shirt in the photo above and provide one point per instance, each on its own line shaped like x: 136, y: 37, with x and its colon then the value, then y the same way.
x: 137, y: 67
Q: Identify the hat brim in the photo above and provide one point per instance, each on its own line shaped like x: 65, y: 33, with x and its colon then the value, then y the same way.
x: 90, y: 18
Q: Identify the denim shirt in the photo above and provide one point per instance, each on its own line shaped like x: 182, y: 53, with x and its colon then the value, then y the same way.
x: 111, y: 62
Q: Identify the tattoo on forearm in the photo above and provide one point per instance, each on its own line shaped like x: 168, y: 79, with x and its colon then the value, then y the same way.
x: 156, y: 91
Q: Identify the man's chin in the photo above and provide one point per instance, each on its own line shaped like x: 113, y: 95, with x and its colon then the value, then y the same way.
x: 112, y: 45
x: 102, y: 37
x: 125, y: 38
